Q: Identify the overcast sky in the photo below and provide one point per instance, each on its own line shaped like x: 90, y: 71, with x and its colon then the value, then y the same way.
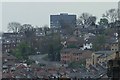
x: 38, y: 13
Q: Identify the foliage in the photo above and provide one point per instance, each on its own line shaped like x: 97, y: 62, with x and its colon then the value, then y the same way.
x: 109, y: 31
x: 103, y: 22
x: 72, y: 46
x: 66, y: 28
x: 29, y: 61
x: 111, y: 15
x: 26, y: 27
x: 46, y: 28
x: 99, y: 42
x: 22, y: 51
x: 86, y: 19
x: 54, y: 47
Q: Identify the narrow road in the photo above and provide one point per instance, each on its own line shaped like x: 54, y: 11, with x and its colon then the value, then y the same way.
x: 39, y: 58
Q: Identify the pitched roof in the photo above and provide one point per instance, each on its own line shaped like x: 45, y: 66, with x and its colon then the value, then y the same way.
x: 103, y: 54
x: 35, y: 66
x: 7, y: 75
x: 9, y: 63
x: 71, y: 50
x: 8, y: 56
x: 72, y: 39
x: 20, y: 66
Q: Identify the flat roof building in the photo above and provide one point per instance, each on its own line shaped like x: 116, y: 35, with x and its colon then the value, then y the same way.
x: 59, y: 21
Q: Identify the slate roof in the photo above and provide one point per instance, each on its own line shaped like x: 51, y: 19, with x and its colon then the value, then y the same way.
x: 104, y: 54
x: 71, y: 50
x: 72, y: 39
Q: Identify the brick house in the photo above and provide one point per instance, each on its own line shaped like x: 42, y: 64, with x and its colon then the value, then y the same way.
x: 10, y: 41
x: 69, y: 55
x: 73, y: 42
x: 100, y: 57
x: 73, y: 54
x: 114, y: 46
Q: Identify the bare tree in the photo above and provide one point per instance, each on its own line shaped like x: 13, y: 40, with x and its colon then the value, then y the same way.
x: 45, y: 27
x: 84, y: 17
x: 86, y: 20
x: 111, y: 15
x: 26, y: 27
x: 79, y: 23
x: 14, y: 26
x: 91, y: 20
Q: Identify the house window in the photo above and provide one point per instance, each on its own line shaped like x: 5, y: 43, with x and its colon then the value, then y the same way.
x: 77, y: 58
x: 112, y: 49
x: 115, y: 44
x: 17, y: 40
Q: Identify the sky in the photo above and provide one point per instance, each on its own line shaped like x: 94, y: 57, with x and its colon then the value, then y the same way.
x: 38, y: 13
